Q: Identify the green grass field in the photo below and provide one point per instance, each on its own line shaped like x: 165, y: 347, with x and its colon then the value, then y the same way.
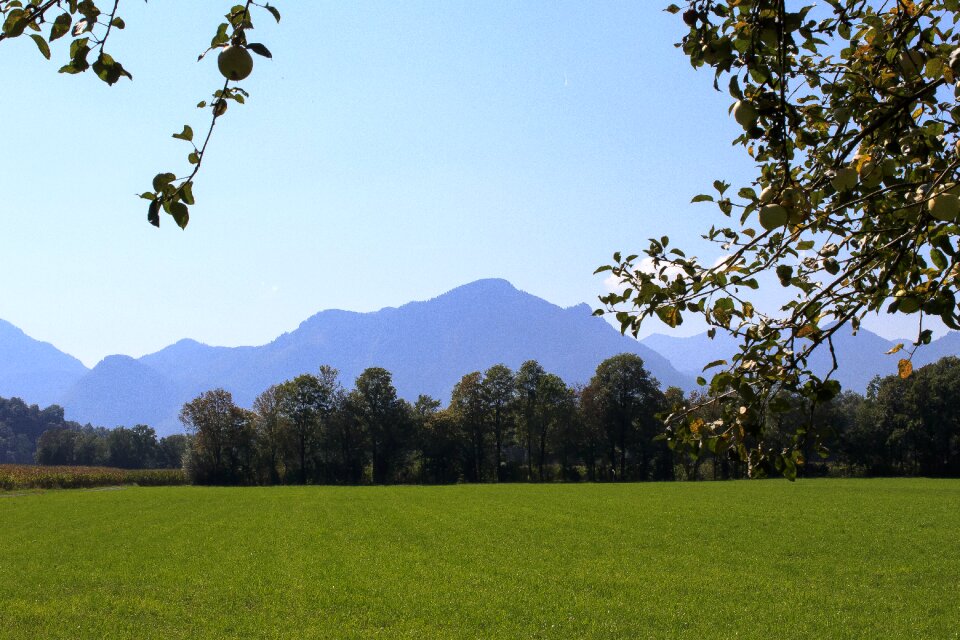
x: 811, y: 559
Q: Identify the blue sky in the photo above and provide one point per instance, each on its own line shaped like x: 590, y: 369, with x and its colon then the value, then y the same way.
x: 389, y: 152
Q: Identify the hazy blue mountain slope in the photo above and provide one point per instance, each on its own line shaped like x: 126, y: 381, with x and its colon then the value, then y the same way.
x: 429, y: 345
x: 34, y: 371
x: 948, y: 345
x: 123, y: 391
x: 860, y: 357
x: 426, y: 345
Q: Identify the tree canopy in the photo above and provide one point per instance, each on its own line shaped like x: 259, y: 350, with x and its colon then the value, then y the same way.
x: 848, y: 110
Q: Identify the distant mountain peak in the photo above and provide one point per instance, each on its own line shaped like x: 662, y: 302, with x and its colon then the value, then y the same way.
x: 583, y: 307
x: 116, y: 362
x: 487, y: 287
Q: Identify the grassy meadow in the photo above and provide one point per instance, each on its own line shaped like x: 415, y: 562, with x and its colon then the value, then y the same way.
x: 762, y: 559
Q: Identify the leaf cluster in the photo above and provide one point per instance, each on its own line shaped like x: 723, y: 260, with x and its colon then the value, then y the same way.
x: 849, y: 112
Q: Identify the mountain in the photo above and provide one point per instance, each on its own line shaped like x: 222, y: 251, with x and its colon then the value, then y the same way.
x: 861, y: 356
x: 34, y: 371
x: 122, y: 391
x: 427, y: 346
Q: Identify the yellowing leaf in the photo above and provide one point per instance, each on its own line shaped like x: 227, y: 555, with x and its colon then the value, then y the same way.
x: 806, y: 330
x: 904, y: 368
x: 895, y: 349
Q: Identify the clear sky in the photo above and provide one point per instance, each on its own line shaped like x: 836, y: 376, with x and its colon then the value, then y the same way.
x: 389, y: 152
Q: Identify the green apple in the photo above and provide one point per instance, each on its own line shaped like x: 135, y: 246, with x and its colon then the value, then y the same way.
x: 911, y: 63
x: 844, y: 179
x: 870, y: 174
x: 767, y: 195
x: 235, y: 62
x: 773, y: 216
x: 944, y: 206
x: 745, y: 114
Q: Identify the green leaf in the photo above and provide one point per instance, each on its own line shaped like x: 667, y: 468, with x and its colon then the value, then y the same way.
x: 187, y: 192
x: 41, y: 44
x: 153, y: 213
x: 15, y: 23
x: 273, y: 11
x: 939, y: 260
x: 703, y: 197
x: 108, y: 69
x: 161, y: 180
x: 221, y: 37
x: 785, y: 273
x: 180, y: 213
x: 259, y: 49
x: 60, y: 26
x: 186, y: 134
x: 118, y: 23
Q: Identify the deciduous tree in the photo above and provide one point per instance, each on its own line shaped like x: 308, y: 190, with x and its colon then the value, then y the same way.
x: 848, y: 109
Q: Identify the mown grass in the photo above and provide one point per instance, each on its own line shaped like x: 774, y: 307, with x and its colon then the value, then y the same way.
x: 811, y: 559
x: 28, y: 476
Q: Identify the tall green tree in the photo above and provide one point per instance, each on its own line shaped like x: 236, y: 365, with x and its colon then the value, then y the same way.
x: 555, y: 410
x: 306, y: 403
x: 471, y: 407
x: 439, y: 440
x: 629, y: 399
x: 273, y: 431
x: 382, y: 416
x: 527, y: 385
x: 847, y: 109
x: 500, y: 389
x: 222, y: 439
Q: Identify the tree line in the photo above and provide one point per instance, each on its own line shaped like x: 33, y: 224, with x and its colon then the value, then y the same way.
x: 501, y: 425
x: 21, y: 425
x: 134, y: 448
x: 528, y: 425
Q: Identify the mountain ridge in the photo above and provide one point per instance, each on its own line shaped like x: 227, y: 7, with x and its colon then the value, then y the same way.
x: 426, y: 344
